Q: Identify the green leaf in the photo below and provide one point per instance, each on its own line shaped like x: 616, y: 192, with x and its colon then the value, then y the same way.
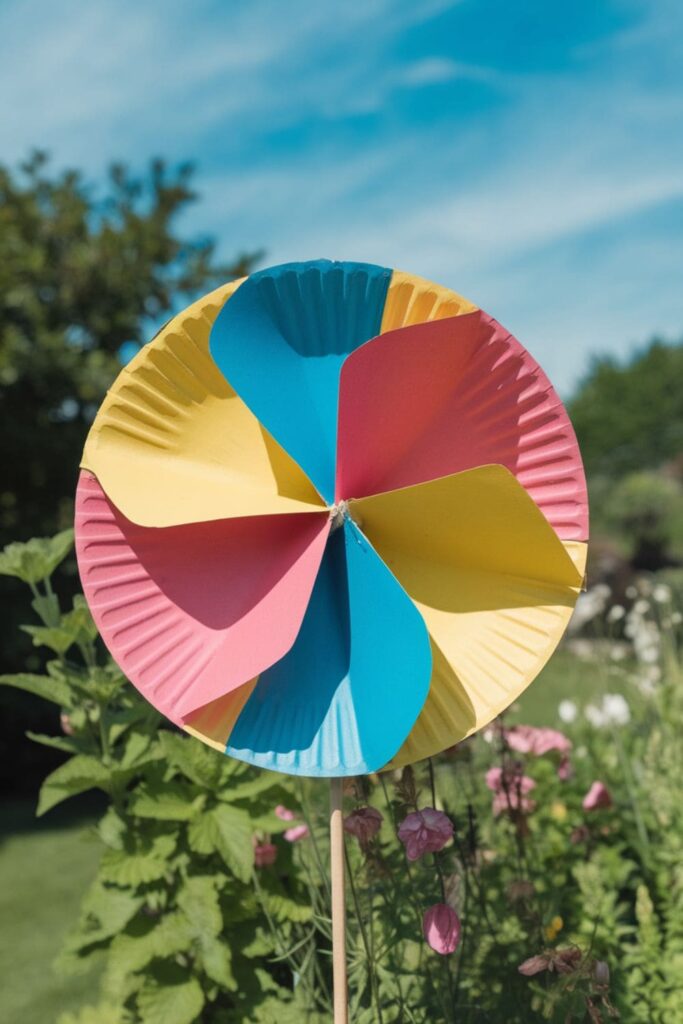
x: 105, y: 1013
x: 77, y: 775
x: 79, y: 622
x: 47, y: 687
x: 227, y: 831
x: 112, y: 829
x: 168, y: 801
x: 217, y: 963
x: 202, y: 834
x: 56, y: 638
x: 233, y: 839
x: 199, y: 763
x: 139, y: 865
x: 70, y: 744
x: 143, y: 942
x: 37, y: 559
x: 46, y: 607
x: 171, y: 1004
x: 105, y: 913
x: 247, y: 790
x: 137, y: 751
x: 282, y: 907
x: 198, y: 900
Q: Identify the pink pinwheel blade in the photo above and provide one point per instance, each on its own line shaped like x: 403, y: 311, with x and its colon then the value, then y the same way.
x: 192, y: 612
x: 437, y: 398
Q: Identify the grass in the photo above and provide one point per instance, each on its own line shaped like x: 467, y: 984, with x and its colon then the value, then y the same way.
x: 45, y: 868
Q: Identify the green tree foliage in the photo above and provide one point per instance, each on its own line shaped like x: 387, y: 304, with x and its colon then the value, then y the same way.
x: 82, y: 272
x: 80, y: 275
x: 629, y: 416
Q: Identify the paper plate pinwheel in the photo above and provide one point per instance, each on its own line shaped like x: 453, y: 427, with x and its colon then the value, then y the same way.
x: 332, y: 519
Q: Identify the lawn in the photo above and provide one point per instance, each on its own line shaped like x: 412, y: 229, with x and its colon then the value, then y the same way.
x: 45, y: 868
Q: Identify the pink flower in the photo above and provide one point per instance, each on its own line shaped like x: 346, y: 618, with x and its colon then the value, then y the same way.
x: 425, y: 831
x: 441, y: 928
x: 65, y: 722
x: 292, y: 835
x: 363, y: 823
x: 284, y: 813
x: 510, y: 790
x: 264, y: 854
x: 598, y: 798
x: 512, y: 801
x: 527, y: 739
x: 565, y: 770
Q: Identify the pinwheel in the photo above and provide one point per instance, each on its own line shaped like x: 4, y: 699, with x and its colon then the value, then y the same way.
x: 332, y: 519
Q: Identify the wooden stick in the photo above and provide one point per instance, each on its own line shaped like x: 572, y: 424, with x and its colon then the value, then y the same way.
x: 338, y: 902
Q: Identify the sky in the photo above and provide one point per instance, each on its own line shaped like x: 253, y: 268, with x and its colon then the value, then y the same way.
x: 528, y: 155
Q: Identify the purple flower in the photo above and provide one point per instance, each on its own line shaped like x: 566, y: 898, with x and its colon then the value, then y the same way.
x: 425, y: 831
x: 363, y: 823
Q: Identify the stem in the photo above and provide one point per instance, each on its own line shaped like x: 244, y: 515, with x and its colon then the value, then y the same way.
x: 364, y: 937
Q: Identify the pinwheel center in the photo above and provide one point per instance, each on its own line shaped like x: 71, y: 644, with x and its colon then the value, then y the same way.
x: 338, y: 513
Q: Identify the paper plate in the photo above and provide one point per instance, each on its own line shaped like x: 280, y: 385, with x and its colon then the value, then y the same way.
x: 333, y: 518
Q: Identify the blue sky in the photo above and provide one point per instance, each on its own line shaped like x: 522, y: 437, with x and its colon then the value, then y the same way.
x: 527, y: 154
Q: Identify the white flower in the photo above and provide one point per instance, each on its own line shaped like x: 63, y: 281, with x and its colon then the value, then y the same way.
x: 615, y: 613
x: 567, y: 711
x: 641, y: 607
x: 589, y: 605
x: 647, y: 683
x: 615, y: 708
x: 676, y: 618
x: 595, y: 716
x: 618, y: 652
x: 662, y: 593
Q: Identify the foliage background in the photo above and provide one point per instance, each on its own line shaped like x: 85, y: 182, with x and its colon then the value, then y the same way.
x: 86, y: 276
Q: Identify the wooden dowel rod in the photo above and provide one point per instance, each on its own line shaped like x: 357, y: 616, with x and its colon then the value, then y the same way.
x: 338, y: 902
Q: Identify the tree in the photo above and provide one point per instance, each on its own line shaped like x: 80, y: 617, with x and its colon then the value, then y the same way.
x: 81, y: 275
x: 629, y: 416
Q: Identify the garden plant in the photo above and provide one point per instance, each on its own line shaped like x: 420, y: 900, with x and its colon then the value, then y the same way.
x: 526, y: 874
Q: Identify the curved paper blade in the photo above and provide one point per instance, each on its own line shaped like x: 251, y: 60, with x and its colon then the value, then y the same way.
x: 281, y: 341
x: 438, y: 398
x: 345, y: 697
x: 213, y: 723
x: 192, y: 612
x: 414, y: 300
x: 494, y: 584
x: 172, y: 442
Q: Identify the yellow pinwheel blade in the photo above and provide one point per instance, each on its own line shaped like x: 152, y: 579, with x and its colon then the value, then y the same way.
x: 495, y: 586
x: 214, y: 722
x: 414, y: 300
x: 173, y: 443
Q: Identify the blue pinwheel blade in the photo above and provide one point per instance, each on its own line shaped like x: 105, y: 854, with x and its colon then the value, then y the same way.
x: 280, y: 342
x: 347, y: 694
